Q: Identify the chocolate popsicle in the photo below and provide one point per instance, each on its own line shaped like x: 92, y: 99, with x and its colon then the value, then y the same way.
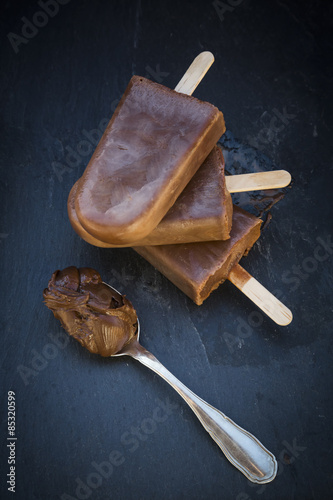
x: 152, y: 147
x: 202, y: 212
x: 199, y: 268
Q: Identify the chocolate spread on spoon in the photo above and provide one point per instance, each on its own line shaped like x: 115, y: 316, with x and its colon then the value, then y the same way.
x: 100, y: 318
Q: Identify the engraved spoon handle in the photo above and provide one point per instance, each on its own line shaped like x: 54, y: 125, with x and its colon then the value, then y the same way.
x: 240, y: 447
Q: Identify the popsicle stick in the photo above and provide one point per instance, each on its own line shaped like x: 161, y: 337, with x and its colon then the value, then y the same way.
x: 257, y: 181
x: 195, y: 73
x: 269, y: 304
x: 266, y: 301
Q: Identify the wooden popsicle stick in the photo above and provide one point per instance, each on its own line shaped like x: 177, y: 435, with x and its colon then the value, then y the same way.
x: 195, y: 73
x: 257, y: 181
x: 266, y: 301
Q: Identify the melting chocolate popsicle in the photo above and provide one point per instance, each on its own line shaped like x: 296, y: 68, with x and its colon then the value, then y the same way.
x: 155, y: 142
x: 199, y: 268
x: 97, y: 316
x: 202, y: 212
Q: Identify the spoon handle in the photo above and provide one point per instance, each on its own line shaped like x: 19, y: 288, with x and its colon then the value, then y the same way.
x: 240, y: 447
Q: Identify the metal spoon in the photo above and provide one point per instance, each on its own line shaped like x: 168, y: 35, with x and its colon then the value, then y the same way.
x: 240, y: 447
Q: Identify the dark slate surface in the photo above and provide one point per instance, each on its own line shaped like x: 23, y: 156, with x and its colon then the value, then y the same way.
x: 273, y: 80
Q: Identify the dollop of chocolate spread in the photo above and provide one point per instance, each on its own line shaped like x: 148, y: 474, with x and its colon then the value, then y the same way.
x: 94, y: 314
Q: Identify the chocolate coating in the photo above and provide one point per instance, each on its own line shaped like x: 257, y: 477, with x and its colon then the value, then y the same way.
x: 94, y: 314
x: 202, y: 212
x: 199, y: 268
x: 151, y: 148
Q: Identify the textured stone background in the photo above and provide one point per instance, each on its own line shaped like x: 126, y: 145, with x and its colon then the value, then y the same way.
x: 60, y: 82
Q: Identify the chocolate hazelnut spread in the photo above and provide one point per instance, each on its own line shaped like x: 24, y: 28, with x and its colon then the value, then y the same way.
x: 100, y: 318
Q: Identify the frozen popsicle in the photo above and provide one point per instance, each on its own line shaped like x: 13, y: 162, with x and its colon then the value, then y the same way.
x: 199, y: 268
x: 155, y: 142
x: 202, y: 212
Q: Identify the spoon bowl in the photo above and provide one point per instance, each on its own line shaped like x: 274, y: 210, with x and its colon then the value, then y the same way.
x: 134, y: 340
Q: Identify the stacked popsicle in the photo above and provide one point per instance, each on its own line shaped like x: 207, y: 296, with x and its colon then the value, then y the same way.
x: 156, y: 183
